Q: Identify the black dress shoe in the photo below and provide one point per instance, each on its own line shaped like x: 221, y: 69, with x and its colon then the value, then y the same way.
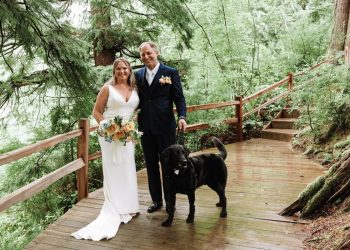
x: 154, y: 207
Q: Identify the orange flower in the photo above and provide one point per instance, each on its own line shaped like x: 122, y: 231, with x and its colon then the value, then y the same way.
x: 120, y: 129
x: 111, y: 129
x: 118, y: 135
x: 130, y: 126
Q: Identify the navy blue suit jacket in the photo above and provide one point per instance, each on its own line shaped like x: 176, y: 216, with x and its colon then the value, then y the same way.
x: 156, y: 101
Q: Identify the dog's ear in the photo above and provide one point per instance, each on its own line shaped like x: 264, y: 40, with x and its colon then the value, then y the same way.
x: 187, y: 151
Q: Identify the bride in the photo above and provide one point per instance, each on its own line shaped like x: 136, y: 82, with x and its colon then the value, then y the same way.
x: 117, y: 97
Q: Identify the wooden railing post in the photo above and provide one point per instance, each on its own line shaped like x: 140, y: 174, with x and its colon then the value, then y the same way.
x: 290, y: 86
x: 290, y: 81
x: 83, y: 152
x: 239, y: 116
x: 347, y: 55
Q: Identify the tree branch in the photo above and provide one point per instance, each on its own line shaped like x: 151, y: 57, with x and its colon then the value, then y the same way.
x: 2, y: 43
x: 225, y: 21
x: 133, y: 12
x: 207, y: 37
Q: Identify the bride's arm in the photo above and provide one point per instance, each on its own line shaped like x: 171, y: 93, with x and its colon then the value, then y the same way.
x: 100, y: 104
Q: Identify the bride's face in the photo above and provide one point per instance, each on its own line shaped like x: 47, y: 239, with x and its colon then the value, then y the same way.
x: 121, y: 72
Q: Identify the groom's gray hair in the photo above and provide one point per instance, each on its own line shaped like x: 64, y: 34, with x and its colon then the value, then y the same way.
x: 150, y: 43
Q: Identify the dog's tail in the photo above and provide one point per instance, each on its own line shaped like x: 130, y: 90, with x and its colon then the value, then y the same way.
x: 221, y: 147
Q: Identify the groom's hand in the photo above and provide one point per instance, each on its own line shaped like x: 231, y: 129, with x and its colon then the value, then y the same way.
x: 182, y: 124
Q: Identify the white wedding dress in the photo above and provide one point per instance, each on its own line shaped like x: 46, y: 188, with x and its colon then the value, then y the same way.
x: 119, y: 175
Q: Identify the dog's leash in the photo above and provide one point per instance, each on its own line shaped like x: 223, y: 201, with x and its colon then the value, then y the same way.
x: 180, y: 137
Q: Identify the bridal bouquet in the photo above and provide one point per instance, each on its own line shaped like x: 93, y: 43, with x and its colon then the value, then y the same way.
x: 119, y: 129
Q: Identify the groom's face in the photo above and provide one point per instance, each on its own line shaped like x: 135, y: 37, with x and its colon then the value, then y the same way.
x: 149, y: 56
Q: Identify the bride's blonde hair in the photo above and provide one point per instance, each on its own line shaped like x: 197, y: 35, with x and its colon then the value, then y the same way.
x: 131, y: 79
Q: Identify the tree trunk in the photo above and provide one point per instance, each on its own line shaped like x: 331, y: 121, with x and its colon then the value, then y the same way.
x: 347, y: 42
x: 332, y: 187
x: 340, y: 28
x: 103, y: 57
x: 101, y: 16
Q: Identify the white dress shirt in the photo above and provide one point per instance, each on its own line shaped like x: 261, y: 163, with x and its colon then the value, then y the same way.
x: 150, y: 74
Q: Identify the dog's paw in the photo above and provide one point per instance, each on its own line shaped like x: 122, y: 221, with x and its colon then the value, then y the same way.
x: 219, y: 204
x: 223, y: 214
x: 166, y: 223
x: 189, y: 220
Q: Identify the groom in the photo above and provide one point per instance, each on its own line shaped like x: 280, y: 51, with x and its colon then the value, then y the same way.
x: 159, y: 88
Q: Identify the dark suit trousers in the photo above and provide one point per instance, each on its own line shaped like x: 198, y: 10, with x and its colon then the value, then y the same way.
x: 152, y: 146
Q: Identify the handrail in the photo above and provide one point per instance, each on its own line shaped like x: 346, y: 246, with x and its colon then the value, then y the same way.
x: 199, y: 126
x: 93, y: 128
x: 312, y: 67
x: 265, y: 90
x: 210, y: 106
x: 267, y: 103
x: 80, y: 165
x: 289, y: 79
x: 40, y: 184
x: 37, y: 147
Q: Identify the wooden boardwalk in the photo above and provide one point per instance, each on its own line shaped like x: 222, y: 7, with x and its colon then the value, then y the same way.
x: 264, y: 177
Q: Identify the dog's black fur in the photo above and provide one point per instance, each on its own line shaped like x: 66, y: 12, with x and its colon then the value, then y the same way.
x: 184, y: 174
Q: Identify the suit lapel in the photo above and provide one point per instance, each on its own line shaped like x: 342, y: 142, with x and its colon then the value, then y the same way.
x: 143, y: 82
x: 156, y: 78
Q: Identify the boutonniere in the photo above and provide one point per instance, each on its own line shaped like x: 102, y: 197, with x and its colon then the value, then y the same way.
x: 165, y: 80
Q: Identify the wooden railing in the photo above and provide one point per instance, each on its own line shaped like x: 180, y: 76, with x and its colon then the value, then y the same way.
x: 80, y: 165
x: 288, y: 80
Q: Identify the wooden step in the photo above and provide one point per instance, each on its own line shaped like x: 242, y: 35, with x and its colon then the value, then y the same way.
x: 289, y: 113
x: 283, y: 123
x: 278, y: 134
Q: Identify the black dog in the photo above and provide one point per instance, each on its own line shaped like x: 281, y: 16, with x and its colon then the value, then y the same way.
x: 184, y: 174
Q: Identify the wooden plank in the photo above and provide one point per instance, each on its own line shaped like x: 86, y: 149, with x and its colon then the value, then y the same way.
x: 95, y: 156
x: 236, y: 211
x: 199, y: 126
x: 147, y: 228
x: 39, y: 184
x: 128, y: 241
x: 239, y: 117
x: 210, y: 106
x: 202, y: 222
x: 260, y: 184
x: 313, y: 67
x: 93, y: 128
x: 37, y: 147
x: 267, y: 103
x: 34, y: 245
x: 290, y: 81
x: 54, y: 242
x: 83, y: 153
x: 265, y: 90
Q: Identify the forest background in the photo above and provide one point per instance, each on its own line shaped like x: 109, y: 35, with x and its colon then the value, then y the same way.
x: 53, y: 63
